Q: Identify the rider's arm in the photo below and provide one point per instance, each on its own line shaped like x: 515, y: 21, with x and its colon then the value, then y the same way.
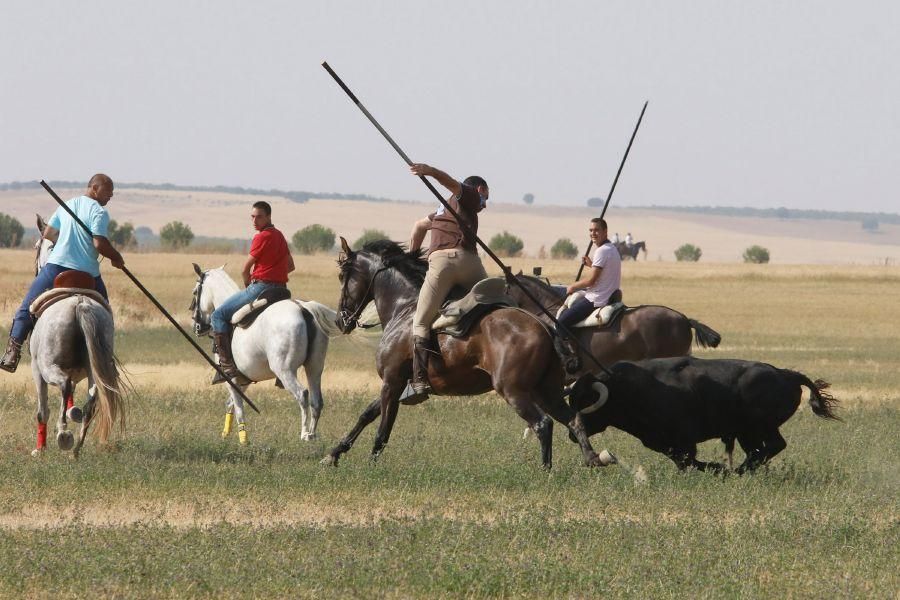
x: 106, y: 249
x: 442, y: 178
x: 291, y: 266
x: 592, y: 277
x: 248, y: 268
x: 51, y: 233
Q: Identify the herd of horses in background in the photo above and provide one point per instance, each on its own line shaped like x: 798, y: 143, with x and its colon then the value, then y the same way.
x: 509, y: 350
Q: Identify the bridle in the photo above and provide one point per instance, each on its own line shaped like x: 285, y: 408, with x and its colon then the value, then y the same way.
x: 201, y: 323
x: 352, y: 319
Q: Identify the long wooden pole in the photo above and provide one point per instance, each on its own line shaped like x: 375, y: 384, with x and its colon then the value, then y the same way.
x: 156, y: 303
x: 613, y: 188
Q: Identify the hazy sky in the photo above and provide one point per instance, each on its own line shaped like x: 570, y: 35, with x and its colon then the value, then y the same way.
x: 751, y: 103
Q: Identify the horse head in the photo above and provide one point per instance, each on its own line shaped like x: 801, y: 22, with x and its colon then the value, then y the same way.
x: 355, y: 275
x: 201, y: 304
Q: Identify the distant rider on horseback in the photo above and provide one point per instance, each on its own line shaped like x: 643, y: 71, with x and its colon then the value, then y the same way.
x: 603, y: 279
x: 267, y: 267
x: 452, y: 260
x: 74, y: 250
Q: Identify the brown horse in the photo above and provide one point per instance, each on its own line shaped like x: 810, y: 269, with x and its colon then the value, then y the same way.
x: 640, y: 332
x: 509, y: 351
x: 626, y: 251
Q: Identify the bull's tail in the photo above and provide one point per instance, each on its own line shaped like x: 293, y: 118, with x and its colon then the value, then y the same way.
x: 706, y: 336
x: 822, y: 403
x: 109, y: 408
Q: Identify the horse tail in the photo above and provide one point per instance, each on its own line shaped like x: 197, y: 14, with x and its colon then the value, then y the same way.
x: 109, y: 408
x: 706, y: 336
x: 324, y: 317
x: 821, y: 402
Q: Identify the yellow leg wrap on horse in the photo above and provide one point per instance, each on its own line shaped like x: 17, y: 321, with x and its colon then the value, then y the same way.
x: 229, y: 418
x: 242, y: 434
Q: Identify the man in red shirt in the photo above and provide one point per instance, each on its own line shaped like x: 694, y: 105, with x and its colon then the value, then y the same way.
x: 267, y: 267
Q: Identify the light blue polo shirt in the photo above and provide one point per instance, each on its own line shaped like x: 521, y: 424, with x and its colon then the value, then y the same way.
x: 75, y: 248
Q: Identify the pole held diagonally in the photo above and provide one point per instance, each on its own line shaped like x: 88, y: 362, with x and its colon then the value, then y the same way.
x: 156, y: 303
x: 613, y: 188
x: 506, y: 270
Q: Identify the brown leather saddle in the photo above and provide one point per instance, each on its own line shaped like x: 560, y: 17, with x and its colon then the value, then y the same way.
x: 66, y: 284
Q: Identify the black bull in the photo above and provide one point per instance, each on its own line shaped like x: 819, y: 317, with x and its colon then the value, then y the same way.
x: 672, y: 404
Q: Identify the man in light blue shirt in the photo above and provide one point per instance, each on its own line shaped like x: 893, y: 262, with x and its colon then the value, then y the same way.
x: 74, y: 249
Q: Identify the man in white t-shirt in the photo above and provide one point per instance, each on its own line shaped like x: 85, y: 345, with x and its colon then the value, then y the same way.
x: 603, y: 278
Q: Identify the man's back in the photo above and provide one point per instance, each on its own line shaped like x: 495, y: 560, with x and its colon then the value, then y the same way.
x: 75, y: 248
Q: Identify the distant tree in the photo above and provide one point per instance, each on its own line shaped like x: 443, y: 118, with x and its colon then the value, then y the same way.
x: 528, y: 199
x: 11, y: 231
x: 175, y: 235
x: 506, y: 244
x: 121, y: 236
x: 782, y: 213
x: 564, y: 248
x: 756, y: 254
x: 870, y: 224
x: 313, y: 238
x: 595, y: 202
x: 369, y: 235
x: 688, y: 253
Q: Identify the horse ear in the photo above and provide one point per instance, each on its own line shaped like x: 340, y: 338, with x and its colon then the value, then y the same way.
x: 345, y: 247
x: 41, y: 224
x: 197, y: 269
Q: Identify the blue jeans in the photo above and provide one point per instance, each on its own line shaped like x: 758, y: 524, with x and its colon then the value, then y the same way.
x: 579, y: 311
x: 221, y: 317
x: 23, y: 323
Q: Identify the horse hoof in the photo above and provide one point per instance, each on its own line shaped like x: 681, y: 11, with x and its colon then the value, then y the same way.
x: 75, y: 414
x: 526, y: 433
x: 309, y: 437
x: 607, y: 458
x: 65, y: 440
x: 329, y: 461
x: 37, y: 452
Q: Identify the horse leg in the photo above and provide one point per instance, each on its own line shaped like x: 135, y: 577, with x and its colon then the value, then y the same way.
x: 64, y: 438
x: 526, y: 406
x: 86, y: 417
x: 390, y: 404
x: 368, y: 415
x: 313, y: 368
x: 572, y: 420
x: 43, y: 414
x: 301, y: 395
x: 229, y: 418
x: 238, y: 405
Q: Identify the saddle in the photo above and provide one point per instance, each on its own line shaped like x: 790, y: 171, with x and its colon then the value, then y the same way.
x: 463, y: 309
x: 65, y: 285
x: 602, y: 316
x: 247, y: 314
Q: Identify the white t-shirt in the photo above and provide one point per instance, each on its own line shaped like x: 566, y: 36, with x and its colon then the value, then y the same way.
x: 607, y: 258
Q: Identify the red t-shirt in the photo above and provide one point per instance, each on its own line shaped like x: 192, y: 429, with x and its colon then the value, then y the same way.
x: 271, y: 252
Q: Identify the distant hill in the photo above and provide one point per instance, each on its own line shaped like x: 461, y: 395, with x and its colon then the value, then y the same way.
x: 778, y: 213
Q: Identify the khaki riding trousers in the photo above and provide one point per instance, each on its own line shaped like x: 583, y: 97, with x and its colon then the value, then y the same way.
x: 446, y: 268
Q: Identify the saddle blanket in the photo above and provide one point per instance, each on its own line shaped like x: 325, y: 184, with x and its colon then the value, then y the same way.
x: 54, y: 295
x: 599, y: 318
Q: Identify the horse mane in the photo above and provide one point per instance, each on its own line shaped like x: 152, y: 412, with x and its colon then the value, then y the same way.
x: 410, y: 264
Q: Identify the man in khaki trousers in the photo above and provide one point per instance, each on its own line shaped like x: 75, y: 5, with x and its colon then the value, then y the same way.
x: 452, y: 260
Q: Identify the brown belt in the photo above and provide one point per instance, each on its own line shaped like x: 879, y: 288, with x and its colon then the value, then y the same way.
x: 274, y: 283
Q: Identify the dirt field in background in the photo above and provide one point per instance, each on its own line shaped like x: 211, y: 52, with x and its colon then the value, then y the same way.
x: 722, y: 239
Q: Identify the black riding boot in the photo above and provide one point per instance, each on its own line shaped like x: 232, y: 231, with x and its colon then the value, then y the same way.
x: 10, y: 360
x: 567, y: 352
x: 421, y: 352
x: 222, y: 342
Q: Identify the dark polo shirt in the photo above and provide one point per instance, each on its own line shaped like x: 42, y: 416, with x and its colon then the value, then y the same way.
x: 446, y: 233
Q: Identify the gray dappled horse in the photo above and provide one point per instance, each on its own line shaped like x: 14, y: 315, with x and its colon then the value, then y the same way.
x: 284, y: 337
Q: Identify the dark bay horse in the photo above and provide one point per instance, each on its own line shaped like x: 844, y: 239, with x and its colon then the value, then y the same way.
x: 626, y: 251
x: 641, y: 332
x: 509, y: 351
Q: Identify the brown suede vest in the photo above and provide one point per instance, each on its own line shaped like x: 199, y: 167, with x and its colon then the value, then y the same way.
x: 446, y: 233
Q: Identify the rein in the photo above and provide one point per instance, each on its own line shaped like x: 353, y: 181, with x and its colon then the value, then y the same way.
x: 201, y: 324
x: 353, y: 318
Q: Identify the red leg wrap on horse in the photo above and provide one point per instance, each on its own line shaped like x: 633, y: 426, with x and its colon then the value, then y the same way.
x: 42, y: 435
x: 70, y: 402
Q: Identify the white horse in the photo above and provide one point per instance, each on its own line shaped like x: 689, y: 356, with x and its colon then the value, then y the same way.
x: 279, y: 341
x: 73, y: 340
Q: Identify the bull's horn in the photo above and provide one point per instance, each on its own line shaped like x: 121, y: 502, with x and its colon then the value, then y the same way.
x: 602, y: 397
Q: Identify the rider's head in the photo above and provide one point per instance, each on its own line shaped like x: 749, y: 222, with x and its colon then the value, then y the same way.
x: 481, y: 186
x: 261, y: 215
x: 100, y: 188
x: 598, y: 230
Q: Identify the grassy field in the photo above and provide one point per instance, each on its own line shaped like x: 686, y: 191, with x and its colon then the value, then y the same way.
x: 457, y: 505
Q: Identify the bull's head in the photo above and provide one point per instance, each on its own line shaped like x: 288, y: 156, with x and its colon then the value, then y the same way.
x: 590, y: 396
